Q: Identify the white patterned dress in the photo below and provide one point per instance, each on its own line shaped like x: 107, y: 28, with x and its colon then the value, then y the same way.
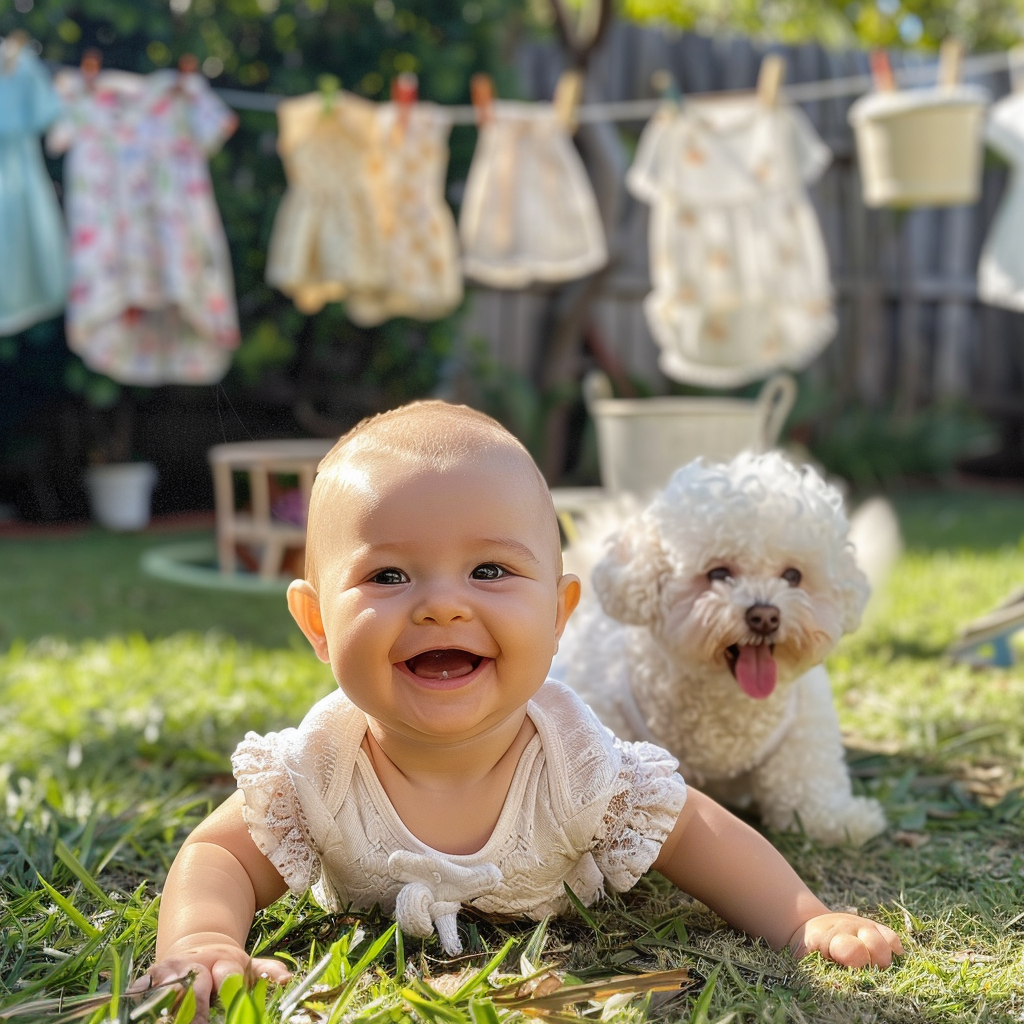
x: 739, y: 268
x: 583, y: 809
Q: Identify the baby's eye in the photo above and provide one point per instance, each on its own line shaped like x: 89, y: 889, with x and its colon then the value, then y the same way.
x: 792, y: 576
x: 720, y: 574
x: 390, y: 577
x: 488, y: 571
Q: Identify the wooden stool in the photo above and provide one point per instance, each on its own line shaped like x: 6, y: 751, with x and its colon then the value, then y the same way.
x: 261, y: 460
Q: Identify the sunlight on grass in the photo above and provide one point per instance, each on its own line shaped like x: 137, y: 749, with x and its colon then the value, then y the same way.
x: 115, y: 743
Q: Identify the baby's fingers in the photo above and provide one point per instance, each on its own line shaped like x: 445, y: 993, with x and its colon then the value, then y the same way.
x: 872, y: 946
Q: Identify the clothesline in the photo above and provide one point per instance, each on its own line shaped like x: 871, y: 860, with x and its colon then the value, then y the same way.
x: 640, y: 110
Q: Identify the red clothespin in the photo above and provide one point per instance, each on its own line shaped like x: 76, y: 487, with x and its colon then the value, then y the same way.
x: 92, y: 61
x: 881, y: 71
x: 405, y: 91
x: 481, y: 91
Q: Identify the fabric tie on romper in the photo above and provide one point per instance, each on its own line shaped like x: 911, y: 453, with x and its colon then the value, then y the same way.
x: 433, y: 893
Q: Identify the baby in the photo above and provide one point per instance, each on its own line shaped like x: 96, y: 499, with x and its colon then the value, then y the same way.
x: 445, y: 770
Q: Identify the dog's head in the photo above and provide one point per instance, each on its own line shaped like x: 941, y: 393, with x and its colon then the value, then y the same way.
x: 742, y: 568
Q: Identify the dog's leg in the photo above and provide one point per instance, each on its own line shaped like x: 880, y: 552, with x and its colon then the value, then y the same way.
x: 806, y: 775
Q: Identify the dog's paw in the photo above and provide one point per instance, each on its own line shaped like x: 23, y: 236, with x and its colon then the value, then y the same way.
x: 855, y: 822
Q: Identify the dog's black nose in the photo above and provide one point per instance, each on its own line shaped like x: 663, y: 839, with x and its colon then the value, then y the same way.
x: 763, y: 618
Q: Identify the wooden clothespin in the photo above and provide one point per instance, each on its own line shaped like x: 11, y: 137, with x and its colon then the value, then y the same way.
x: 188, y: 64
x: 951, y: 59
x: 405, y: 91
x: 329, y: 85
x: 92, y: 62
x: 1015, y: 64
x: 769, y: 78
x: 664, y: 83
x: 881, y: 71
x: 568, y: 93
x: 10, y: 48
x: 481, y: 92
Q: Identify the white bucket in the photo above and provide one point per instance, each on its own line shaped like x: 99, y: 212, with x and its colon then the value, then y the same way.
x: 641, y: 442
x: 920, y: 147
x: 120, y: 495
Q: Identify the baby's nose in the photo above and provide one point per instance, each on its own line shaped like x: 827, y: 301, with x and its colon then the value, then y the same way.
x: 442, y: 604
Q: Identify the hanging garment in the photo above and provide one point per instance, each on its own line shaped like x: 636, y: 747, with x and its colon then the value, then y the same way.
x: 920, y: 147
x: 33, y: 251
x: 738, y: 263
x: 364, y: 219
x: 529, y: 212
x: 1001, y: 267
x: 152, y: 295
x: 421, y: 247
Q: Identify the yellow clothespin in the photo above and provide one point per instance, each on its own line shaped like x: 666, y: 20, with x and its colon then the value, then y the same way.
x: 328, y: 86
x: 769, y: 78
x: 951, y: 59
x: 1015, y: 63
x: 568, y: 93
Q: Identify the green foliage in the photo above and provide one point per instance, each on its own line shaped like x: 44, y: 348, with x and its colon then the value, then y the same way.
x: 875, y: 23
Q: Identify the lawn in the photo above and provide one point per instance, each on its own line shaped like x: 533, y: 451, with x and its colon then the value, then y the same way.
x: 123, y: 697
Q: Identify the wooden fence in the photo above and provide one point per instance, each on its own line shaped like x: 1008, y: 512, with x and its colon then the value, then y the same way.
x: 911, y: 330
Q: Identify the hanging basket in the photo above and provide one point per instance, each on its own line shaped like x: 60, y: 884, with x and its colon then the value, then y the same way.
x: 642, y: 441
x: 920, y: 147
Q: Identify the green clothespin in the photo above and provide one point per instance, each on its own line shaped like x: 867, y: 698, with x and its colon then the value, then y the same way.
x: 329, y: 85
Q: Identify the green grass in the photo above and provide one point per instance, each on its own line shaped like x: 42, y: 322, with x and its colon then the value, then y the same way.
x: 123, y: 697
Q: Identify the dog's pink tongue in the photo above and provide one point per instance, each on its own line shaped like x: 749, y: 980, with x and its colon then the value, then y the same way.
x: 756, y: 670
x: 443, y: 664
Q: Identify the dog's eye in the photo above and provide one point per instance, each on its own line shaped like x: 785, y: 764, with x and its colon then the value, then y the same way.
x: 792, y: 577
x: 720, y: 574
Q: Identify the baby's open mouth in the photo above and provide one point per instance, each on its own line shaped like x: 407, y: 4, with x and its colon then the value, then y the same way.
x: 753, y: 666
x: 449, y: 663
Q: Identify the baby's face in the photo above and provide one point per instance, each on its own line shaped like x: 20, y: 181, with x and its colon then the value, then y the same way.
x: 440, y: 593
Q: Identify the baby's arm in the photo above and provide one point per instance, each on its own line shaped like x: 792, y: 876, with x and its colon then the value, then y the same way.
x: 217, y: 882
x: 733, y: 869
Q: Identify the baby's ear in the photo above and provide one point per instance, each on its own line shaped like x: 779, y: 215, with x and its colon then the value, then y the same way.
x: 305, y: 608
x: 628, y: 578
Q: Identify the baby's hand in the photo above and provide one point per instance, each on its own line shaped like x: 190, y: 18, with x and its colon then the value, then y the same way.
x: 209, y: 965
x: 847, y: 939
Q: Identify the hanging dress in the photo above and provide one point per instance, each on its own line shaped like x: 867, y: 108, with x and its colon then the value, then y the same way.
x: 529, y: 212
x: 738, y: 264
x: 152, y: 294
x: 1001, y: 267
x: 421, y: 246
x: 327, y: 237
x: 364, y: 220
x: 33, y: 250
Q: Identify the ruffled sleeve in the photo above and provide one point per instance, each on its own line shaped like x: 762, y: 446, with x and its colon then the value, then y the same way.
x: 272, y: 809
x: 646, y: 798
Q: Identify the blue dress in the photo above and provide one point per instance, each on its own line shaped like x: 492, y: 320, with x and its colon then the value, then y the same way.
x: 33, y: 252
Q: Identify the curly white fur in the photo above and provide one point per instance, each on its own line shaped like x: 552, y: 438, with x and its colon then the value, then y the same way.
x: 735, y: 572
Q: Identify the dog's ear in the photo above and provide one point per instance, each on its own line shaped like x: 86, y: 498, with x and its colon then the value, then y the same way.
x: 629, y: 577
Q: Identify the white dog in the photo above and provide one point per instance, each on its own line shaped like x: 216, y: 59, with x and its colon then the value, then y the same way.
x: 718, y: 604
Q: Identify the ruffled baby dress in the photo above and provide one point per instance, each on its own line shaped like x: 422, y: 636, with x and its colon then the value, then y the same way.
x: 739, y: 267
x: 364, y: 218
x: 152, y: 292
x: 584, y: 809
x: 529, y: 212
x: 33, y: 248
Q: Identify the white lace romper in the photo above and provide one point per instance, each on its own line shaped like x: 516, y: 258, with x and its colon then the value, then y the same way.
x: 584, y: 808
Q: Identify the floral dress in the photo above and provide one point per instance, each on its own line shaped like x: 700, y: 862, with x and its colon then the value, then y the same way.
x: 152, y: 294
x: 33, y: 285
x: 738, y: 262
